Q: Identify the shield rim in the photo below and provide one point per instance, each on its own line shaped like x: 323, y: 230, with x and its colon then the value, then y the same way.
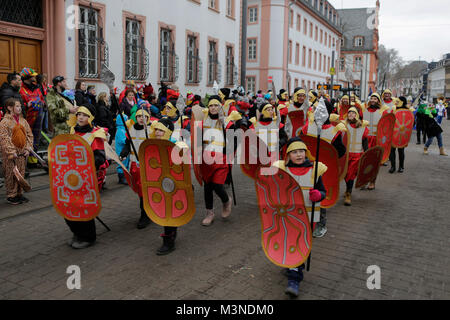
x: 66, y: 137
x: 308, y: 225
x: 358, y: 183
x: 190, y: 211
x: 410, y: 129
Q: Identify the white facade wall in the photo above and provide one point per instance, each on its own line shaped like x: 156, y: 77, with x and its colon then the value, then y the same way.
x: 436, y: 83
x: 278, y: 48
x: 184, y: 15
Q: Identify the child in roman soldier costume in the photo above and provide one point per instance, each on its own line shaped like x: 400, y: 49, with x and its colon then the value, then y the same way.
x: 375, y: 109
x: 214, y: 170
x: 139, y: 132
x: 358, y: 144
x: 333, y: 135
x: 387, y: 99
x: 229, y: 104
x: 299, y: 164
x: 178, y: 120
x: 283, y: 104
x: 401, y: 104
x: 296, y: 113
x: 344, y: 105
x: 81, y: 125
x: 269, y: 127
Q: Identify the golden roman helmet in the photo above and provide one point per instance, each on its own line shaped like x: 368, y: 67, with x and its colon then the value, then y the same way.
x: 72, y: 122
x: 169, y: 110
x: 312, y: 97
x: 297, y: 93
x: 353, y: 109
x: 377, y: 96
x: 386, y: 91
x: 298, y: 145
x: 345, y: 97
x: 265, y: 113
x: 142, y: 112
x: 284, y: 95
x: 157, y: 125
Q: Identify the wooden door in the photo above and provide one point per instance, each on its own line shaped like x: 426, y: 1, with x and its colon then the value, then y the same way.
x: 18, y: 53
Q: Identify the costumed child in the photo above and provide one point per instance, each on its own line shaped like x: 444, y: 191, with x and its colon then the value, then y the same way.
x: 400, y: 104
x: 215, y: 174
x: 84, y: 232
x: 299, y: 165
x: 358, y: 144
x: 16, y: 138
x: 139, y: 132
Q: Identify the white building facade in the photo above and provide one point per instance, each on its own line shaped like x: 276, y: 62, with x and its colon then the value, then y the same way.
x: 291, y: 42
x: 190, y: 43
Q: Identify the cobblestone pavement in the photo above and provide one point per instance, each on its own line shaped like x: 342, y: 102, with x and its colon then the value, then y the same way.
x: 402, y: 227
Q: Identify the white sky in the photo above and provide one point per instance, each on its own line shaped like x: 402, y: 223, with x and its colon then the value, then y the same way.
x: 416, y: 28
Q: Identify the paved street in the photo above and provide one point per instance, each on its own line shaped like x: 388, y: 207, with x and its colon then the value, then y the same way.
x: 402, y: 227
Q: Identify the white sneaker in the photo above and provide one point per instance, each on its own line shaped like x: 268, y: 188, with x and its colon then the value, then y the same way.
x: 319, y: 232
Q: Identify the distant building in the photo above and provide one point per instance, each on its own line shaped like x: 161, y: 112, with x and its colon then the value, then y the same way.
x: 291, y: 40
x: 358, y: 64
x: 439, y: 79
x: 408, y: 81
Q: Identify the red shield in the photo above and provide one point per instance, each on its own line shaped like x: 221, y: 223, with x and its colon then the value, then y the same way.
x: 166, y: 185
x: 343, y: 161
x: 254, y: 154
x: 385, y: 132
x: 73, y: 178
x: 285, y: 227
x: 196, y: 149
x: 328, y: 156
x: 343, y: 110
x: 297, y: 119
x: 368, y: 166
x: 403, y: 128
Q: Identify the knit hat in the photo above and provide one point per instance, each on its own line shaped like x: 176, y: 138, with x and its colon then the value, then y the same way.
x: 27, y: 73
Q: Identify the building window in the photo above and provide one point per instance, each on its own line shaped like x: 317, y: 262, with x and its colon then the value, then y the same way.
x: 299, y: 22
x: 359, y: 42
x: 295, y: 83
x: 324, y: 63
x: 133, y: 44
x: 297, y: 54
x: 251, y: 43
x: 213, y: 62
x: 253, y: 15
x: 309, y: 85
x: 311, y: 30
x: 342, y: 42
x: 305, y: 26
x: 309, y: 58
x: 321, y: 7
x: 326, y: 37
x: 230, y: 8
x: 230, y: 66
x: 315, y: 60
x: 342, y: 64
x: 251, y: 84
x: 213, y: 4
x: 290, y: 51
x: 320, y: 62
x: 88, y: 47
x: 167, y: 56
x: 18, y: 12
x: 328, y: 65
x: 321, y: 36
x: 316, y: 34
x: 304, y: 57
x: 193, y: 60
x: 291, y: 18
x: 358, y: 64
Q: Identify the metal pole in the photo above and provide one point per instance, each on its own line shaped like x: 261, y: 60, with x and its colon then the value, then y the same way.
x: 332, y: 76
x: 244, y: 44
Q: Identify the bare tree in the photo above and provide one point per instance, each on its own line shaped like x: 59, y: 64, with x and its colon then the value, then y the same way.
x: 389, y: 63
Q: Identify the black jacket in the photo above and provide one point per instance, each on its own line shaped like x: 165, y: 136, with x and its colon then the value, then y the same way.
x: 432, y: 128
x: 104, y: 117
x: 6, y: 92
x: 82, y: 99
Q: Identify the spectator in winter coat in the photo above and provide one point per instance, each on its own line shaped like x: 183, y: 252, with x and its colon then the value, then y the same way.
x: 128, y: 102
x: 10, y: 89
x: 59, y: 106
x: 121, y: 141
x: 104, y: 116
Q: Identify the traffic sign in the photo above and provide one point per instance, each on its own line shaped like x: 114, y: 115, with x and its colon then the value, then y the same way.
x: 332, y: 71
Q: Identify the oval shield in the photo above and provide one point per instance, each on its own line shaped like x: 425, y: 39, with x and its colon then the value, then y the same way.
x: 328, y: 156
x: 368, y: 166
x: 403, y: 128
x: 285, y: 228
x: 166, y: 185
x: 385, y: 132
x: 73, y: 178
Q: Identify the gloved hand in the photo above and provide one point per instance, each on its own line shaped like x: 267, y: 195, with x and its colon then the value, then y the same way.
x: 314, y: 195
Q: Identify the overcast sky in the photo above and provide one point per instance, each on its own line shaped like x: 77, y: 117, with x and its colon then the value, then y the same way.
x: 416, y: 28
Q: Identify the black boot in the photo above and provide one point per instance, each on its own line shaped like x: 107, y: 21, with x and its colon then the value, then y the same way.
x: 122, y: 179
x: 168, y: 244
x: 144, y: 221
x: 392, y: 170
